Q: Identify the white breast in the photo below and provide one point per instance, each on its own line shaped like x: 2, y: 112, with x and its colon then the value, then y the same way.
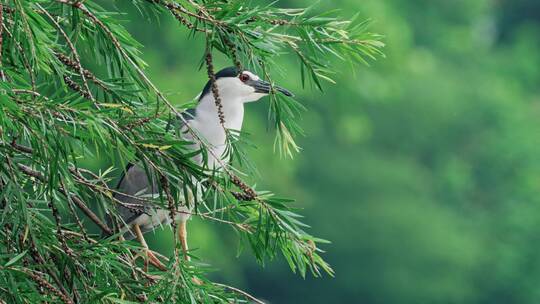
x: 208, y: 126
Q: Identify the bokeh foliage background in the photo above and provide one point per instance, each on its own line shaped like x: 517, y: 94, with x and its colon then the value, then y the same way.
x: 423, y: 170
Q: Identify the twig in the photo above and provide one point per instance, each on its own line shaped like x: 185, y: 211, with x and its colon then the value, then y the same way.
x: 242, y: 227
x: 38, y: 258
x: 182, y: 9
x: 75, y: 55
x: 91, y: 214
x: 38, y: 175
x: 23, y: 57
x: 215, y: 92
x: 170, y: 200
x: 38, y: 278
x: 75, y: 87
x: 172, y: 8
x: 242, y: 196
x: 172, y: 213
x: 30, y: 172
x: 203, y: 12
x: 245, y: 294
x: 76, y: 216
x: 29, y: 37
x: 59, y: 234
x: 106, y: 191
x: 249, y: 194
x: 78, y: 235
x: 24, y: 91
x: 21, y: 148
x: 234, y: 53
x: 87, y: 73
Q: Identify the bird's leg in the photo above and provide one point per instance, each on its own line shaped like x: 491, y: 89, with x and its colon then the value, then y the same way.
x: 182, y: 235
x: 149, y: 254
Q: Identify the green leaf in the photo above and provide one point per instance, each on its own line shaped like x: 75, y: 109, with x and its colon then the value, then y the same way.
x: 15, y: 259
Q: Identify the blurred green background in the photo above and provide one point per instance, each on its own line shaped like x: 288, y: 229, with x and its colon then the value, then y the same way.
x: 423, y: 170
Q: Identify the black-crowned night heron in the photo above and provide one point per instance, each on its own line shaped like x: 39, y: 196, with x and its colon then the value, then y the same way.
x: 235, y: 88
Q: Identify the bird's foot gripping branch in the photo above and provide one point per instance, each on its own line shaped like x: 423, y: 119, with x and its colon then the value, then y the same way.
x: 75, y: 89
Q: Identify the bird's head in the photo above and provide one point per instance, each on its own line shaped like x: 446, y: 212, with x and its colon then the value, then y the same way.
x: 240, y: 86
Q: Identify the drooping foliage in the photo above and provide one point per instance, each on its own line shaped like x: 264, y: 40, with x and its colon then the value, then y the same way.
x: 74, y: 87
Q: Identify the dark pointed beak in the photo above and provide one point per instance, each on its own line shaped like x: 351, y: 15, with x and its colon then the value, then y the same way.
x: 264, y: 87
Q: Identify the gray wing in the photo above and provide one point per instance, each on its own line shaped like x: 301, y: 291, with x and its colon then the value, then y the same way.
x: 135, y: 182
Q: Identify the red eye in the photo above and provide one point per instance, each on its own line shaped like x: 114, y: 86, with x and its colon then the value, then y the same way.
x: 244, y: 77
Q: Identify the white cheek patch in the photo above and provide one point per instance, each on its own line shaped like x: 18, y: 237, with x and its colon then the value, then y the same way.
x: 251, y: 75
x: 233, y: 88
x: 230, y: 84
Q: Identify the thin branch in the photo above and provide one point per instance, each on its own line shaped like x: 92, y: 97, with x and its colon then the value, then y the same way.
x: 21, y: 148
x: 170, y: 202
x: 178, y: 7
x: 90, y: 214
x: 37, y: 277
x: 38, y: 258
x: 30, y: 172
x: 239, y: 291
x: 87, y: 73
x: 76, y: 87
x: 59, y: 234
x: 24, y: 91
x: 38, y: 175
x: 24, y: 59
x: 172, y: 8
x: 88, y: 93
x: 76, y: 217
x: 213, y: 83
x: 242, y: 227
x: 234, y: 53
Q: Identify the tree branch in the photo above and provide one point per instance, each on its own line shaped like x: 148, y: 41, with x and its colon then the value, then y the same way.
x: 38, y: 175
x: 88, y: 93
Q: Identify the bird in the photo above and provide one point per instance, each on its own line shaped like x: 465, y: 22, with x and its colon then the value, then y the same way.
x: 235, y: 88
